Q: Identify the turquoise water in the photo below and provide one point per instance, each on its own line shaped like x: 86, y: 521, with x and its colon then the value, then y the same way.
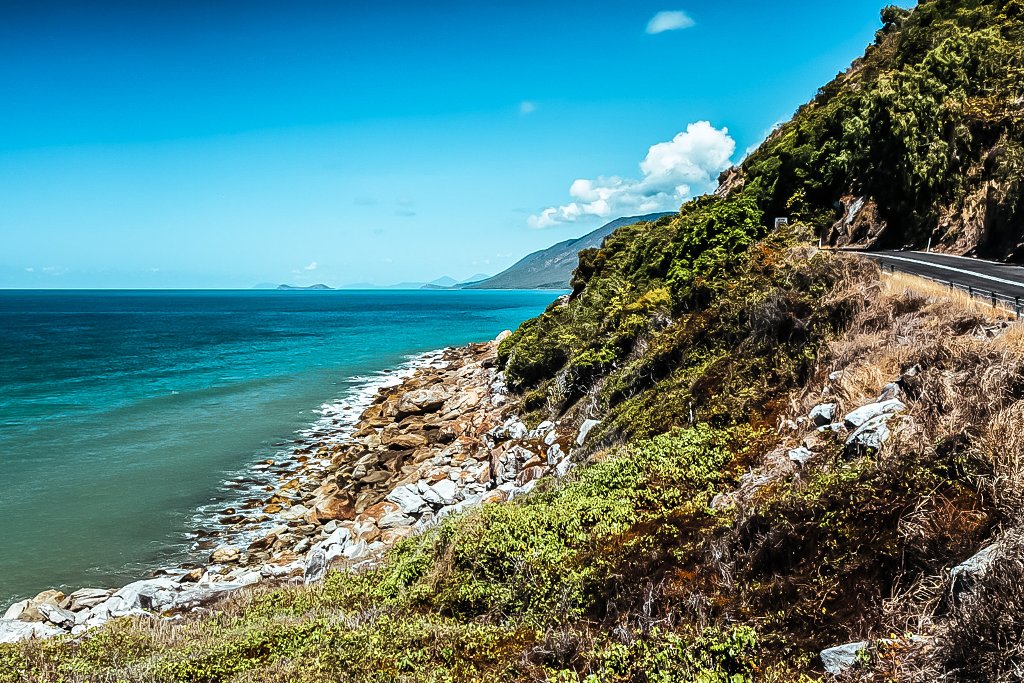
x: 122, y: 413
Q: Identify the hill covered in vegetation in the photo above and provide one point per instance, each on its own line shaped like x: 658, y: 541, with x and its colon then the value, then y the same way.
x: 552, y: 268
x: 921, y: 139
x: 791, y: 454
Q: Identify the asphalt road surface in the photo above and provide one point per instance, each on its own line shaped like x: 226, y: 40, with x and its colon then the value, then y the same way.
x: 1005, y: 280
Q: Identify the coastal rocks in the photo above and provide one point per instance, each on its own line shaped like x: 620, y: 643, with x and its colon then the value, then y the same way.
x: 408, y: 498
x: 225, y: 554
x: 13, y: 631
x: 800, y: 456
x: 433, y: 444
x: 422, y: 401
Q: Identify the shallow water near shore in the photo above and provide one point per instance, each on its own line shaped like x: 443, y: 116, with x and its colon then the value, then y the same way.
x: 122, y: 413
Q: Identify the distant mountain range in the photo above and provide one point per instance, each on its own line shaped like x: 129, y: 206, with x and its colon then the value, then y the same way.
x: 552, y: 268
x: 549, y: 268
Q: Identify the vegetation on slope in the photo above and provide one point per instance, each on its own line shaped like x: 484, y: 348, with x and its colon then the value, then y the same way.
x: 689, y: 547
x: 927, y: 130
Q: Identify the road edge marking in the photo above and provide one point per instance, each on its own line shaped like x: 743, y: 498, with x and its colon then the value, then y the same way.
x: 951, y: 268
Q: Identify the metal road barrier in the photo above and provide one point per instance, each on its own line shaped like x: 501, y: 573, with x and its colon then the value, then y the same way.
x: 1013, y: 304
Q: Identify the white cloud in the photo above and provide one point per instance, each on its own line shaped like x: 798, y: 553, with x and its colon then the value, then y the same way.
x: 673, y: 171
x: 312, y: 266
x: 669, y: 21
x: 526, y: 107
x: 30, y: 270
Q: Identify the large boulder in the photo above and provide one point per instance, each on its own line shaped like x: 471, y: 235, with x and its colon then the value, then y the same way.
x: 225, y: 554
x: 872, y: 411
x: 85, y: 598
x: 155, y: 595
x: 14, y: 631
x: 422, y: 400
x: 17, y: 609
x: 441, y: 493
x: 408, y: 498
x: 872, y: 434
x: 57, y: 616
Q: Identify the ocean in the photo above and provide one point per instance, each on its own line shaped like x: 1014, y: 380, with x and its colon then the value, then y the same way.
x: 124, y: 413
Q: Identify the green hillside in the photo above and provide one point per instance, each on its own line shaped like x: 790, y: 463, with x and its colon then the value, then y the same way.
x: 712, y: 533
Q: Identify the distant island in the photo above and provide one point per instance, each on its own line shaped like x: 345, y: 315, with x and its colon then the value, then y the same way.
x: 293, y: 288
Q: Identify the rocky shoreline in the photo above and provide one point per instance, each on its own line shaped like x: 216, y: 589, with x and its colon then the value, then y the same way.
x: 433, y: 442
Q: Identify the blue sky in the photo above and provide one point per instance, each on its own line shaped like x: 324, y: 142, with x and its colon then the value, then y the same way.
x: 222, y: 144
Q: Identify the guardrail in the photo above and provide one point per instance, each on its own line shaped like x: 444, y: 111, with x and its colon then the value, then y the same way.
x: 1013, y: 304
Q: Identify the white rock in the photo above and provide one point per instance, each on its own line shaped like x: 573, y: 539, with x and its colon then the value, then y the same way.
x: 964, y: 576
x: 871, y: 411
x: 149, y: 594
x: 822, y: 415
x: 13, y: 631
x: 585, y: 429
x: 890, y: 391
x: 85, y: 598
x: 408, y: 498
x: 295, y: 512
x: 515, y: 429
x: 56, y: 615
x: 872, y: 434
x: 355, y: 551
x: 522, y: 490
x: 316, y: 566
x: 542, y: 429
x: 563, y: 468
x: 800, y: 455
x: 396, y: 519
x: 447, y: 490
x: 15, y: 610
x: 842, y: 658
x: 555, y: 454
x: 198, y: 596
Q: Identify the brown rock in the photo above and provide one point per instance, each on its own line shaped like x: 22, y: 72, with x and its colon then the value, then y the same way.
x: 528, y: 475
x: 264, y: 543
x: 403, y: 441
x: 422, y: 400
x: 193, y: 576
x: 337, y: 507
x: 225, y: 554
x: 376, y: 477
x: 380, y: 509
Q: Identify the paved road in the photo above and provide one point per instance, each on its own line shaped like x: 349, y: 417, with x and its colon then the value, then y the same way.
x: 1003, y: 279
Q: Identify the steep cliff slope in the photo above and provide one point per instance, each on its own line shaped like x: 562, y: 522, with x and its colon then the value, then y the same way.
x: 921, y: 139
